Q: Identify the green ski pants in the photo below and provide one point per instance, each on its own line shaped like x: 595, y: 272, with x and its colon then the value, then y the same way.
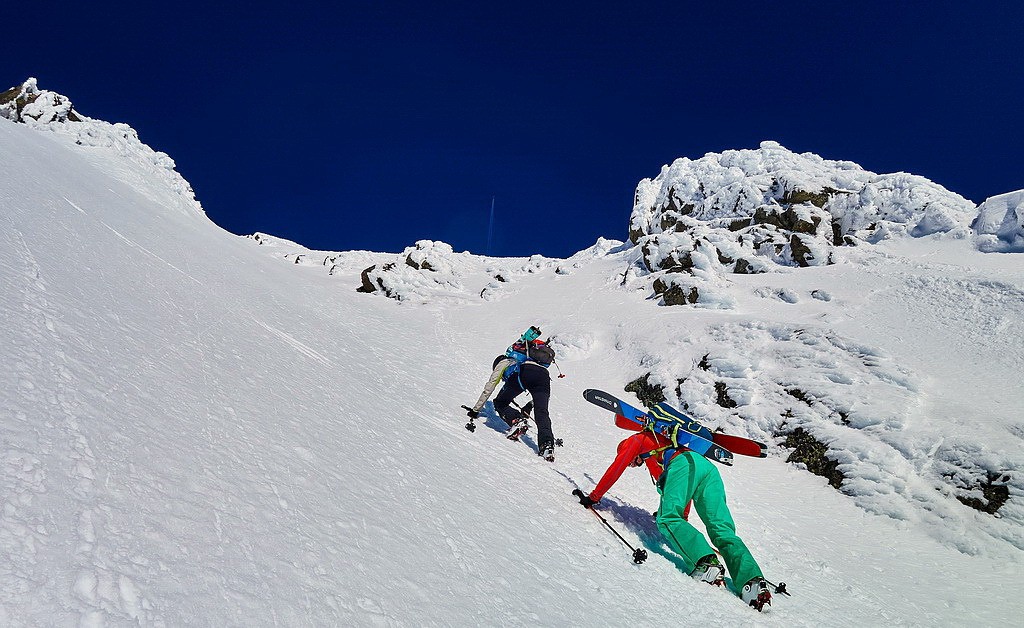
x: 693, y: 477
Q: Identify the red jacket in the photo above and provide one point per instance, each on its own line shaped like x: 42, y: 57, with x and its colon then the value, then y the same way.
x: 628, y: 451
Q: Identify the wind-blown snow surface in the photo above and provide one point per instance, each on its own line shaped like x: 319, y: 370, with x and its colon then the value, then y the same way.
x: 199, y: 432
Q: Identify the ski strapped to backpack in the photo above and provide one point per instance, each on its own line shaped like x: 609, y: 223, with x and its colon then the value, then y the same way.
x: 680, y: 429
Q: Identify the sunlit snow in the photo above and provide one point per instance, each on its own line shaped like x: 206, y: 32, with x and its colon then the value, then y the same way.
x: 200, y: 428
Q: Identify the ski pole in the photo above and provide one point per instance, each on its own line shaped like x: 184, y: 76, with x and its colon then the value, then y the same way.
x: 639, y: 555
x: 779, y: 588
x: 560, y: 375
x: 471, y: 426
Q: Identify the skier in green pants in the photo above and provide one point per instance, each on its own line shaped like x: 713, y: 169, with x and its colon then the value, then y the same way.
x: 682, y: 477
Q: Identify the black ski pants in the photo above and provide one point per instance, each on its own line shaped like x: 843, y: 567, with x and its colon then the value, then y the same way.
x: 534, y: 379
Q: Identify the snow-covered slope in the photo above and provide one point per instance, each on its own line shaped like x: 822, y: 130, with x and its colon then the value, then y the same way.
x: 205, y: 429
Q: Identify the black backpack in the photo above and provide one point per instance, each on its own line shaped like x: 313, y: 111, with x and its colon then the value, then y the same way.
x: 541, y: 353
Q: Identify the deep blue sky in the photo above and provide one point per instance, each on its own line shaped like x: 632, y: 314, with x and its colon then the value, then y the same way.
x: 372, y: 125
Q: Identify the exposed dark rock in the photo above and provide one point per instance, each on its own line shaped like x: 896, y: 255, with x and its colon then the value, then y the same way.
x: 801, y: 395
x: 669, y: 220
x: 724, y: 259
x: 675, y: 295
x: 500, y: 278
x: 9, y: 95
x: 837, y: 233
x: 675, y: 262
x: 424, y: 265
x: 704, y: 365
x: 802, y: 253
x: 676, y: 206
x: 679, y: 391
x: 744, y: 267
x: 649, y: 394
x: 722, y: 392
x: 367, y: 284
x: 994, y: 495
x: 818, y: 199
x: 737, y: 225
x: 788, y: 219
x: 812, y: 453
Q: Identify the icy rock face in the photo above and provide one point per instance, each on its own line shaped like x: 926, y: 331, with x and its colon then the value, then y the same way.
x: 1000, y: 223
x: 745, y: 211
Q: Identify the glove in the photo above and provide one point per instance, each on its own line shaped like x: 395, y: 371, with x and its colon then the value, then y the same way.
x: 585, y: 500
x: 471, y: 413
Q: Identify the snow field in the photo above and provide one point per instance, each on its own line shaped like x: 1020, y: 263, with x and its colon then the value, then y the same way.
x: 199, y: 432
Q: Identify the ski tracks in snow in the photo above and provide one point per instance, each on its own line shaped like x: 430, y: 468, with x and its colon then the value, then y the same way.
x: 51, y: 455
x: 299, y: 346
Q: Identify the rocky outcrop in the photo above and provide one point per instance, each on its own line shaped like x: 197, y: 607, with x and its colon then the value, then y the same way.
x: 648, y: 393
x: 675, y: 294
x: 747, y: 211
x: 812, y: 453
x: 27, y: 102
x: 994, y: 494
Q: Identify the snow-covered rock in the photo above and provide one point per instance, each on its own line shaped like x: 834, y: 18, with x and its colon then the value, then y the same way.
x: 746, y: 211
x: 28, y: 104
x: 729, y: 189
x: 1000, y: 222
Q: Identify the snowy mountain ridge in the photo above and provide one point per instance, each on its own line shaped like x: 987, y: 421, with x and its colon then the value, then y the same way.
x: 201, y: 428
x: 48, y: 111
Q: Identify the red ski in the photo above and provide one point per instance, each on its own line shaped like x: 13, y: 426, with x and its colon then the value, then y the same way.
x: 740, y: 446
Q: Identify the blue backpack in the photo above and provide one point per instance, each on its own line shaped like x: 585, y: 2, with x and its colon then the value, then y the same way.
x: 532, y: 351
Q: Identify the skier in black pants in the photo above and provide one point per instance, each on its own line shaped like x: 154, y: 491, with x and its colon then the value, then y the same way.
x: 532, y: 377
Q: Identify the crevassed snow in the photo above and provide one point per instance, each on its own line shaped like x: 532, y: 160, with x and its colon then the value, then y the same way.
x: 203, y: 429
